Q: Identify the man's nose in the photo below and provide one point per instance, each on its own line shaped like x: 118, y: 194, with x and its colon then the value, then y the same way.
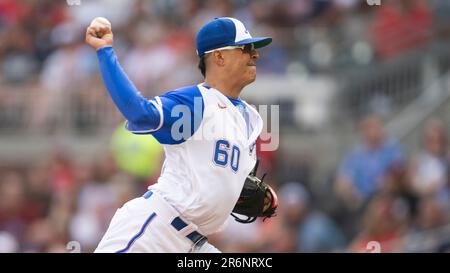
x: 255, y: 55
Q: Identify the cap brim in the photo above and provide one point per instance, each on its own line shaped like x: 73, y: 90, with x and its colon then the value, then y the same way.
x: 257, y: 42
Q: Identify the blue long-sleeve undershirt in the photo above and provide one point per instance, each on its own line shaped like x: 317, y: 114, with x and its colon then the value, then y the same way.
x: 134, y: 107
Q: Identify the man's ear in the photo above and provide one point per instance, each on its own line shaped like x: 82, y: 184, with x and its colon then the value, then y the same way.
x: 218, y: 58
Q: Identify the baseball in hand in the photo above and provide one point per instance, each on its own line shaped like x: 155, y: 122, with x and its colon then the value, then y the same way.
x: 100, y: 23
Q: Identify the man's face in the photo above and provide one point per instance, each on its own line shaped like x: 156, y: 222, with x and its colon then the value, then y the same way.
x: 241, y: 63
x: 372, y: 131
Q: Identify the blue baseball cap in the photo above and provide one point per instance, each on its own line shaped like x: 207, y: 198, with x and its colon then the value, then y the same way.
x: 226, y: 31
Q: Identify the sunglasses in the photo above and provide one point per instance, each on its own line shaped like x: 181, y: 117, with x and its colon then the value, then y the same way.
x: 248, y: 48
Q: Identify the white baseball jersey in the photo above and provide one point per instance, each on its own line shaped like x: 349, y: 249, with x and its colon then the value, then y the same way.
x: 203, y: 176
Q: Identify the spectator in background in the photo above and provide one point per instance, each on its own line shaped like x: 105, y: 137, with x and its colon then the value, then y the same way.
x: 62, y: 176
x: 39, y: 187
x: 433, y: 213
x: 16, y: 212
x: 315, y: 231
x: 428, y: 231
x: 362, y: 171
x: 441, y: 10
x: 96, y: 203
x: 429, y: 170
x: 397, y: 182
x: 211, y: 9
x: 24, y: 38
x: 152, y: 58
x: 41, y: 235
x: 298, y: 226
x: 400, y: 25
x: 236, y: 237
x: 19, y: 64
x: 13, y: 12
x: 67, y: 70
x: 385, y: 222
x: 277, y: 58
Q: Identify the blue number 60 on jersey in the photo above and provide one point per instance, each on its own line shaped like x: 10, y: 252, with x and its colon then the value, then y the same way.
x: 222, y: 155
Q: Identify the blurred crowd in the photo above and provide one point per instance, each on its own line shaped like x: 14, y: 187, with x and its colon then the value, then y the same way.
x: 45, y: 64
x: 155, y: 39
x: 378, y: 193
x: 380, y: 198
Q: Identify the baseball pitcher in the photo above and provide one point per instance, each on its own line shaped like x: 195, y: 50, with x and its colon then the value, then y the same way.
x: 208, y: 133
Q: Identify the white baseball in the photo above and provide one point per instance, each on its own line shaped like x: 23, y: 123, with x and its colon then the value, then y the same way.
x: 100, y: 22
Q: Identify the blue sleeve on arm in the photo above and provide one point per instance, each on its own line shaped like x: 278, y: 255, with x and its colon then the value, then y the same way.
x: 183, y: 112
x: 143, y: 115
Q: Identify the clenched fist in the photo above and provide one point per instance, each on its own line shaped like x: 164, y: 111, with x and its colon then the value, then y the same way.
x: 99, y: 33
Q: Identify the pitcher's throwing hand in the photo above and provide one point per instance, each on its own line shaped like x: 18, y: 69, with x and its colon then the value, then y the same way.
x: 99, y: 33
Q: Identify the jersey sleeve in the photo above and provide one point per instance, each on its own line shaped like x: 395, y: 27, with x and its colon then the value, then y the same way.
x: 143, y: 126
x: 182, y: 112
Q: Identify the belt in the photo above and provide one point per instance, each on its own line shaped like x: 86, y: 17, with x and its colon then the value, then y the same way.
x: 179, y: 224
x: 194, y: 236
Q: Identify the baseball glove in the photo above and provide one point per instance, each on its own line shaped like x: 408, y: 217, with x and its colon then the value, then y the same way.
x: 257, y: 199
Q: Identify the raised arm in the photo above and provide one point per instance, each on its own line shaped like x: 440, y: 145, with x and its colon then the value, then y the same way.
x: 134, y: 107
